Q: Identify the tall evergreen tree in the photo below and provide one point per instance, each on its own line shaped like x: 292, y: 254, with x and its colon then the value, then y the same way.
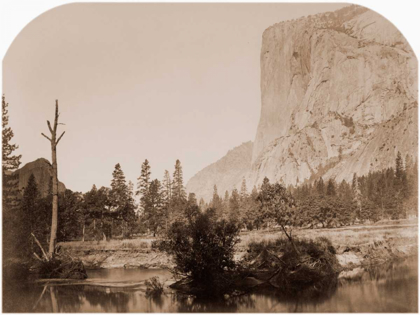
x: 216, y: 202
x: 119, y: 188
x: 320, y: 187
x: 12, y: 218
x: 30, y: 208
x: 234, y: 206
x: 143, y: 184
x: 178, y: 190
x: 153, y: 212
x: 331, y: 188
x: 167, y: 197
x: 192, y: 200
x: 244, y: 192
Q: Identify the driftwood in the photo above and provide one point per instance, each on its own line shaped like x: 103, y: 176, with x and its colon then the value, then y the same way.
x: 42, y: 249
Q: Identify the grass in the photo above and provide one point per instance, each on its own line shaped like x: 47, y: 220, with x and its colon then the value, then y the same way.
x: 351, y: 235
x: 128, y: 244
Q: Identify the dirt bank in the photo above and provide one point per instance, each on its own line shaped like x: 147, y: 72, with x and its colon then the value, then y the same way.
x: 357, y: 247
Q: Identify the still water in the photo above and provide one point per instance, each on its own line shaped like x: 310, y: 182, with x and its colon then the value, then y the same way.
x: 390, y: 288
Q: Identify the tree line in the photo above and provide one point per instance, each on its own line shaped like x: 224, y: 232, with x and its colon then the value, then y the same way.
x: 387, y: 194
x: 112, y: 212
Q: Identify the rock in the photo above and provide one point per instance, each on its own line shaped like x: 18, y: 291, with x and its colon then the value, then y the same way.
x: 353, y: 274
x: 42, y: 170
x: 226, y: 173
x: 338, y: 97
x: 348, y: 259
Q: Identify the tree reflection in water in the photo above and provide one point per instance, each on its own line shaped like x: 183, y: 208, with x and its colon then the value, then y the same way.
x: 388, y: 288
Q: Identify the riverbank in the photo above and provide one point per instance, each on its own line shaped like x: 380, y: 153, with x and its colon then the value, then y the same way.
x: 356, y: 247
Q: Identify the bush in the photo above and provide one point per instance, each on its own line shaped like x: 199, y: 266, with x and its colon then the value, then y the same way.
x: 154, y: 287
x: 203, y: 250
x: 311, y: 272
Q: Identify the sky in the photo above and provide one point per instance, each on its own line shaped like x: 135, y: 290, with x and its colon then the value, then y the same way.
x: 139, y: 81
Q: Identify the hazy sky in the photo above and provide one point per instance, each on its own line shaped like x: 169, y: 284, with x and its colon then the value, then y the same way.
x: 137, y: 81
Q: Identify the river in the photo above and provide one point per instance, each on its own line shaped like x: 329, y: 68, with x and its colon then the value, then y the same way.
x: 389, y: 288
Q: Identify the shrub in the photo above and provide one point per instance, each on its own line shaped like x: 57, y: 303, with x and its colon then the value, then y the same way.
x: 311, y: 272
x: 154, y: 287
x: 203, y: 249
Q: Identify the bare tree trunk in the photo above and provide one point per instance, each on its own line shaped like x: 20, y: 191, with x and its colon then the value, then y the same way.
x: 54, y: 142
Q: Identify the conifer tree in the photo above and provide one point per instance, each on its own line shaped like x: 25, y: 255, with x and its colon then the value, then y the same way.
x: 244, y: 192
x: 192, y: 200
x: 10, y: 189
x: 30, y: 208
x: 331, y: 188
x: 202, y: 204
x: 178, y: 190
x: 320, y: 187
x: 10, y: 162
x: 154, y: 212
x: 119, y: 188
x: 234, y: 206
x: 167, y: 188
x: 143, y: 184
x: 216, y: 202
x: 225, y: 206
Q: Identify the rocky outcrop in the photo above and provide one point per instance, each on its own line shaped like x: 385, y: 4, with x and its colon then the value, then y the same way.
x: 226, y: 173
x: 338, y: 96
x: 42, y: 170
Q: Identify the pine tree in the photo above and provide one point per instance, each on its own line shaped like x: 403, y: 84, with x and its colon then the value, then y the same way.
x: 202, y: 205
x: 12, y: 218
x: 122, y: 204
x: 354, y: 182
x: 192, y: 200
x: 153, y: 212
x: 216, y: 202
x: 225, y: 206
x: 244, y: 192
x: 167, y: 187
x: 331, y: 188
x: 399, y: 166
x: 320, y: 187
x: 234, y: 206
x: 167, y: 196
x: 178, y: 190
x: 10, y: 162
x: 30, y: 207
x: 119, y: 188
x: 143, y: 184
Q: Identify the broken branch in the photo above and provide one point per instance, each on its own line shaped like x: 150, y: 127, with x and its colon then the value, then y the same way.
x: 45, y: 136
x: 49, y: 126
x: 40, y: 246
x: 60, y: 137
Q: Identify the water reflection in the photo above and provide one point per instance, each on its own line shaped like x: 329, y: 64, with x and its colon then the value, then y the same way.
x: 389, y: 288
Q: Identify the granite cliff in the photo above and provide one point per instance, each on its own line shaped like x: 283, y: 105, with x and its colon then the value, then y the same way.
x: 42, y: 170
x: 338, y: 96
x: 226, y: 173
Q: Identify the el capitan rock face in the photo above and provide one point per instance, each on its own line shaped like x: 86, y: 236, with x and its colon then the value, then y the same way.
x: 42, y: 170
x: 338, y: 96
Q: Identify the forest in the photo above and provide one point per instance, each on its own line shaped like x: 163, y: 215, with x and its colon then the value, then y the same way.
x: 113, y: 213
